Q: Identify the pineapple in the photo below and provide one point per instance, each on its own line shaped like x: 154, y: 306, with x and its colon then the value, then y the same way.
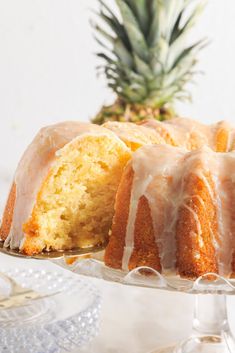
x: 146, y: 59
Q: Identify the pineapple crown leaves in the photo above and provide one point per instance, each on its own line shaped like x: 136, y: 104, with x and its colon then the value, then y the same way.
x: 145, y: 56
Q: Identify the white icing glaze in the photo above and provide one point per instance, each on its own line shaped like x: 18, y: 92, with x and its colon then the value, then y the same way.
x: 148, y: 163
x: 231, y: 140
x: 35, y: 164
x: 135, y: 196
x: 199, y: 227
x: 225, y: 191
x: 160, y: 173
x: 133, y: 133
x: 191, y: 134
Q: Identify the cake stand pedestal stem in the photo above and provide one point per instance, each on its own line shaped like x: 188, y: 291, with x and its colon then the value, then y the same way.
x: 211, y: 331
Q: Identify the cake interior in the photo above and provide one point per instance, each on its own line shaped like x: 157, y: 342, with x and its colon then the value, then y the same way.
x: 75, y: 205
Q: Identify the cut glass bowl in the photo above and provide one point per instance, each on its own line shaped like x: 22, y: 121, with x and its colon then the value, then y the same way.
x: 63, y: 322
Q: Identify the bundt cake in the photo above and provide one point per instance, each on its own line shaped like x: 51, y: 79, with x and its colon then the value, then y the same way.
x: 135, y: 135
x: 172, y: 193
x: 173, y: 212
x: 64, y: 188
x: 191, y: 134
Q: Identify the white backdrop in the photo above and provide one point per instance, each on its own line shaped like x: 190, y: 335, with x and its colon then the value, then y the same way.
x: 47, y: 68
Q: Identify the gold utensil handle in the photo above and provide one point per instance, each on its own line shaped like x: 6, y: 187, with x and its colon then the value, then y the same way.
x: 19, y: 295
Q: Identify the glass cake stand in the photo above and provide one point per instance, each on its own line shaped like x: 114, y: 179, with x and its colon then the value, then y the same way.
x: 210, y: 329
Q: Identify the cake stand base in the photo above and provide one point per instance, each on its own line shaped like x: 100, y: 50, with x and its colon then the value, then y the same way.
x: 211, y: 331
x: 210, y: 328
x: 206, y: 344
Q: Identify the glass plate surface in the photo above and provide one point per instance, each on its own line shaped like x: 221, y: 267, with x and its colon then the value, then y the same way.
x: 168, y: 281
x: 57, y: 324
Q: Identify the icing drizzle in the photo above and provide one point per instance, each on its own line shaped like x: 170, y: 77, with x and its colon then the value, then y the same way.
x: 160, y: 173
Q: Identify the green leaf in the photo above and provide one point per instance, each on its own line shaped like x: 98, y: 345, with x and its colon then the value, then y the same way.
x: 135, y: 35
x: 104, y: 33
x: 143, y: 68
x: 176, y: 30
x: 190, y: 21
x: 154, y: 34
x: 117, y: 28
x: 122, y: 53
x: 102, y: 44
x: 147, y: 56
x: 189, y: 52
x: 105, y: 57
x: 107, y: 8
x: 140, y: 10
x: 134, y: 93
x: 172, y: 9
x: 160, y: 53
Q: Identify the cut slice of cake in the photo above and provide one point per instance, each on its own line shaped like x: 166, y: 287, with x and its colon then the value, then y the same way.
x: 64, y: 189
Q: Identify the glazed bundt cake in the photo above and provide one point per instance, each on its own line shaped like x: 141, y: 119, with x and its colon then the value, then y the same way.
x: 173, y: 212
x: 172, y: 193
x: 135, y: 135
x: 64, y: 189
x: 191, y: 134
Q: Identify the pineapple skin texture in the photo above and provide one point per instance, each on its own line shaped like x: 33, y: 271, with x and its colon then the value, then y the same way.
x: 75, y: 205
x: 124, y: 112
